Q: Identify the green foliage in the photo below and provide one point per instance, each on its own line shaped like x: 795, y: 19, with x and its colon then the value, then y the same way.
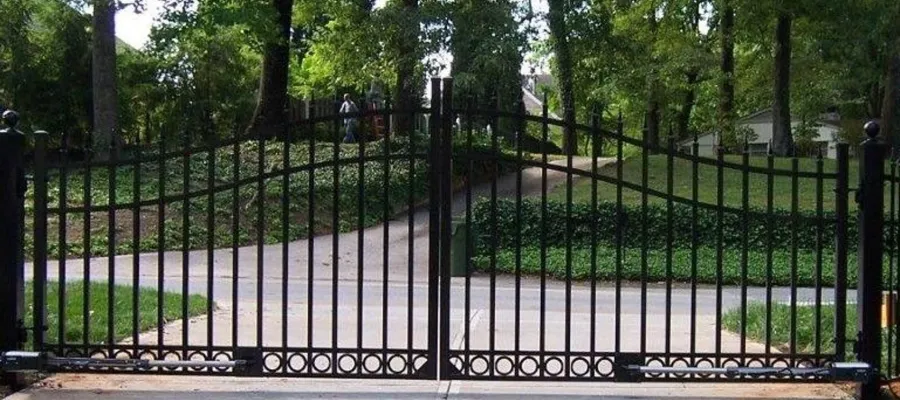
x: 650, y: 226
x: 45, y: 65
x: 390, y: 183
x: 681, y: 269
x: 734, y: 139
x: 404, y: 179
x: 487, y: 47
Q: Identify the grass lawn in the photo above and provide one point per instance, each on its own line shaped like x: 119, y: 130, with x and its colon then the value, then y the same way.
x: 781, y: 326
x: 683, y: 183
x: 806, y: 333
x: 99, y: 310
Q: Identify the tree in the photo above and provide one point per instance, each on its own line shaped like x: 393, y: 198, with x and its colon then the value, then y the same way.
x: 890, y: 107
x: 487, y: 46
x: 407, y: 51
x: 105, y: 88
x: 781, y: 107
x: 653, y: 118
x: 338, y: 46
x: 726, y: 69
x: 559, y: 34
x: 270, y: 118
x: 890, y: 111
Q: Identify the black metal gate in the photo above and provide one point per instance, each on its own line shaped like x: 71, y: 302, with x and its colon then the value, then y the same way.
x: 657, y: 316
x: 465, y: 250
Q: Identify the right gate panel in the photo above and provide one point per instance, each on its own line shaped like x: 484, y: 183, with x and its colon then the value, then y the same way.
x: 636, y: 254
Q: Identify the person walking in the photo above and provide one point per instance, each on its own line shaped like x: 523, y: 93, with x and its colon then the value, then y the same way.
x: 349, y: 107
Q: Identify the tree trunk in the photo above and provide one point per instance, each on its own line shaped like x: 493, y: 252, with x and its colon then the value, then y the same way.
x: 565, y: 76
x: 726, y: 88
x: 653, y: 117
x: 270, y: 118
x: 406, y: 97
x: 105, y: 89
x: 890, y: 106
x: 687, y: 108
x: 782, y: 139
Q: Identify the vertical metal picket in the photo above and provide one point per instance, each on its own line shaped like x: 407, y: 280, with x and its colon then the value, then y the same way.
x: 434, y: 219
x: 40, y: 239
x: 445, y: 154
x: 842, y: 190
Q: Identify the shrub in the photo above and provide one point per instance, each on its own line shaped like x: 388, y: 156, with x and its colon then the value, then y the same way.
x: 636, y: 231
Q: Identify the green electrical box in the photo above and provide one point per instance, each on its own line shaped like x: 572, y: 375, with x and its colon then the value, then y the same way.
x: 458, y: 237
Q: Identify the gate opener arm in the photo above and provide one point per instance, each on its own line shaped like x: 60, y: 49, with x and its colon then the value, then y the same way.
x: 840, y: 371
x: 27, y: 361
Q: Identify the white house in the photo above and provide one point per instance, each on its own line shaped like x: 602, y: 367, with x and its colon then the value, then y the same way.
x: 761, y: 124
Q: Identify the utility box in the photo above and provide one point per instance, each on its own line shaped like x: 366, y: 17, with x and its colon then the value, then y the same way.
x: 459, y: 233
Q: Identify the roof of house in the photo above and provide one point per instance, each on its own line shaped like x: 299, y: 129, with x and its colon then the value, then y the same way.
x: 533, y: 104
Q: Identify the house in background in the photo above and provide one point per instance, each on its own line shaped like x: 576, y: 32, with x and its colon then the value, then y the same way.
x: 826, y: 138
x: 533, y: 87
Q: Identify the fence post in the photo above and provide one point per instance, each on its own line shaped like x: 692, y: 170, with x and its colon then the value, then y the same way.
x: 12, y: 219
x: 871, y: 248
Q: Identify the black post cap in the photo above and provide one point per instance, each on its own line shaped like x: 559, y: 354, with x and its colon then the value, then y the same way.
x: 872, y: 129
x: 10, y: 118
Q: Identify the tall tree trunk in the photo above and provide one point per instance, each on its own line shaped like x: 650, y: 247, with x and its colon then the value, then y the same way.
x: 406, y: 98
x: 782, y: 138
x: 687, y: 108
x: 565, y: 76
x: 653, y: 118
x: 105, y: 88
x: 271, y: 115
x: 890, y: 106
x: 726, y: 87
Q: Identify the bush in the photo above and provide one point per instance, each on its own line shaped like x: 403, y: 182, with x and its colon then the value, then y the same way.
x: 680, y: 269
x: 636, y: 231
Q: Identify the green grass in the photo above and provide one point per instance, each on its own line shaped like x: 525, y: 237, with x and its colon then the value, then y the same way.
x: 681, y: 270
x: 807, y: 340
x: 707, y: 180
x: 99, y: 310
x: 781, y: 326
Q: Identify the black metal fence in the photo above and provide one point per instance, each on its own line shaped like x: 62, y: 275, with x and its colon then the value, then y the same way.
x: 459, y: 252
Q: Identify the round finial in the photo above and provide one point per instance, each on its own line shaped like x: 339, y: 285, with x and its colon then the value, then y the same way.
x: 872, y: 129
x: 11, y: 118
